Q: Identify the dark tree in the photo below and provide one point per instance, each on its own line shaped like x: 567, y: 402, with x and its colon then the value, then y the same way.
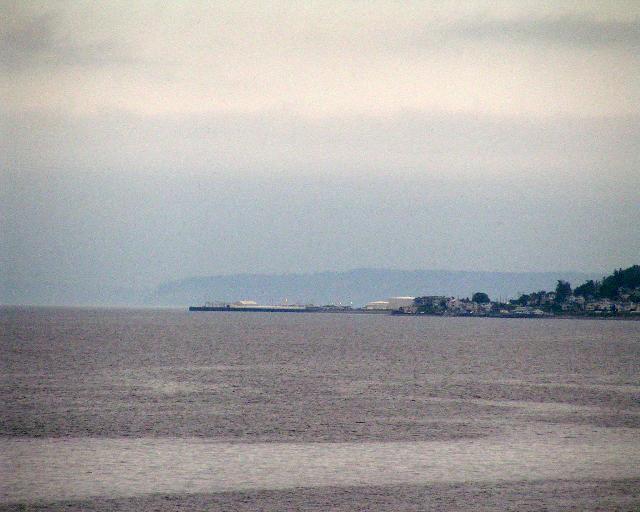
x: 628, y: 278
x: 430, y: 304
x: 588, y: 289
x: 481, y: 298
x: 563, y: 291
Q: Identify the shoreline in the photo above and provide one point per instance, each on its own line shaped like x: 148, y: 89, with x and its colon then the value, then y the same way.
x: 275, y: 309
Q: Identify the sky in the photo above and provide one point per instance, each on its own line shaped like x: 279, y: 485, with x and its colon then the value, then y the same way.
x: 155, y: 140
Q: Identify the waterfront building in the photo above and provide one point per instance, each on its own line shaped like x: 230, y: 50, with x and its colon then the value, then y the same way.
x: 378, y: 305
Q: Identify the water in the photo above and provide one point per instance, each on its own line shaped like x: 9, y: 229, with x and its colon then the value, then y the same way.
x: 167, y: 410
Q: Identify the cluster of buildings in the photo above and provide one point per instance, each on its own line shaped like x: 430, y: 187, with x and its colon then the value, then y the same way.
x: 433, y: 304
x: 626, y: 302
x: 538, y: 304
x: 579, y: 305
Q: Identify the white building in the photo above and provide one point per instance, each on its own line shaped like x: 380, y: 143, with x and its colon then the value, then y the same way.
x: 392, y: 304
x: 245, y: 303
x: 378, y: 305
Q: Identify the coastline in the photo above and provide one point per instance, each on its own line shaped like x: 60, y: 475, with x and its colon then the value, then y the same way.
x: 358, y: 311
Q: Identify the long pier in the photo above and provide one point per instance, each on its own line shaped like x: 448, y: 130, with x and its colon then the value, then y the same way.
x: 253, y: 309
x: 288, y: 309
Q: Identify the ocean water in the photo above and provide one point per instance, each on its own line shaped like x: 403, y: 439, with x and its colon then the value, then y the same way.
x: 170, y: 410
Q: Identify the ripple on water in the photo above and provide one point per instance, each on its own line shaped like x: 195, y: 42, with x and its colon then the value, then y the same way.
x: 79, y: 468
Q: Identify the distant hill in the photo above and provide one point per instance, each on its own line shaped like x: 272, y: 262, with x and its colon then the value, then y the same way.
x: 356, y: 286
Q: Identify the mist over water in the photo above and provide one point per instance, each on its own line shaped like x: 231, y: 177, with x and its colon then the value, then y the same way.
x: 166, y: 410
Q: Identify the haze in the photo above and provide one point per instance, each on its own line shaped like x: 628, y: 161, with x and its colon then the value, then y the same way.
x: 154, y: 141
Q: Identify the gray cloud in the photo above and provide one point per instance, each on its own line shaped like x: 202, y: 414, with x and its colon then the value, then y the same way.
x: 27, y: 38
x: 39, y: 41
x: 565, y: 30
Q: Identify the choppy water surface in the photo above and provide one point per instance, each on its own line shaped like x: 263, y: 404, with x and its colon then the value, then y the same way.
x: 166, y: 410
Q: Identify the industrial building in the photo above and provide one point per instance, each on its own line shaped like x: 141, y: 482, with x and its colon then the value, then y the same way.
x: 391, y: 304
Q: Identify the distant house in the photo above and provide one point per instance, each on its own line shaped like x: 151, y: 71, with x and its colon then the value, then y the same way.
x: 431, y: 300
x: 431, y: 304
x: 485, y: 308
x: 625, y: 307
x: 547, y: 298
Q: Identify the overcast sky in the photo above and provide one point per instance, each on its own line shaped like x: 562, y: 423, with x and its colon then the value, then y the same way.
x: 148, y: 141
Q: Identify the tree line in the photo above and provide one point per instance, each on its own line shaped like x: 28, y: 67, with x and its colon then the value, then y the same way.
x: 621, y: 282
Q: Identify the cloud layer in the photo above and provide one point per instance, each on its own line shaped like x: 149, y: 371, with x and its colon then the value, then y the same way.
x: 322, y: 59
x: 148, y: 142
